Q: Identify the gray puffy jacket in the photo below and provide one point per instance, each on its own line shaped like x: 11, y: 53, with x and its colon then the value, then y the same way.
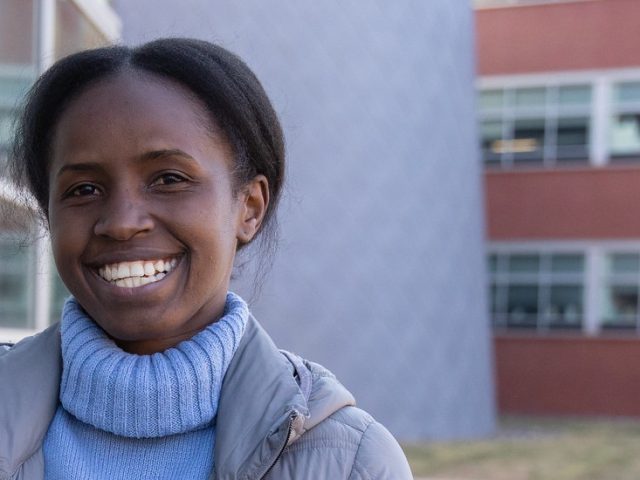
x: 279, y: 417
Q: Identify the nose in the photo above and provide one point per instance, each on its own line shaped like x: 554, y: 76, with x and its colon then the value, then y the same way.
x: 124, y: 216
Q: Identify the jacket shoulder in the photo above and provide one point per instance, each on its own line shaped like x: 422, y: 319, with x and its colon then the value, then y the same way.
x: 39, y: 345
x: 29, y: 381
x: 349, y: 444
x: 379, y: 455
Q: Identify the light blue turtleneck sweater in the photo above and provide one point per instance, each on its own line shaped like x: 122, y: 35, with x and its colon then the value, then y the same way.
x: 125, y: 416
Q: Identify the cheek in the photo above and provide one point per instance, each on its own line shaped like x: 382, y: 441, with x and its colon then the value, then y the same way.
x: 67, y: 240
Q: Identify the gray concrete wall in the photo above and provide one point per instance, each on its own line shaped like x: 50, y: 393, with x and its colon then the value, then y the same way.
x: 380, y: 271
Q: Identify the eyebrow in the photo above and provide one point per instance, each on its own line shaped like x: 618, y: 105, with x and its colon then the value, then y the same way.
x: 145, y: 157
x: 78, y: 167
x: 172, y: 152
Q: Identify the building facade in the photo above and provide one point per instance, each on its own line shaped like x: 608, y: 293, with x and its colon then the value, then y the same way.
x: 559, y: 116
x: 33, y: 34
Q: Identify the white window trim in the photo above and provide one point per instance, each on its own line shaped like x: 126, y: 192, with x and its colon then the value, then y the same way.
x: 102, y: 16
x: 495, y: 4
x: 600, y: 121
x: 566, y: 77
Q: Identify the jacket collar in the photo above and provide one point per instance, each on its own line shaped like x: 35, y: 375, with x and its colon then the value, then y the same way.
x: 263, y: 407
x: 29, y: 398
x: 260, y: 406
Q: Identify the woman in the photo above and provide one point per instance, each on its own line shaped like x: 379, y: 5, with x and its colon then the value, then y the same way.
x: 153, y: 166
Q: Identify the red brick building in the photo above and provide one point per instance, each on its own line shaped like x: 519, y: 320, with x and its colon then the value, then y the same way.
x: 559, y: 109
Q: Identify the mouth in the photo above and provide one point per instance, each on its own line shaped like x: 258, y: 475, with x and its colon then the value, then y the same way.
x: 137, y: 273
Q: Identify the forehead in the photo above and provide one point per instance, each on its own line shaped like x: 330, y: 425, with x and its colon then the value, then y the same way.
x: 132, y: 106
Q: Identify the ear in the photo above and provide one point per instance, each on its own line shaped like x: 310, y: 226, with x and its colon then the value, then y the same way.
x: 254, y: 198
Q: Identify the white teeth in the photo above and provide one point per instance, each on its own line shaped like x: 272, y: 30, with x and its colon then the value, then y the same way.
x: 137, y: 269
x: 137, y: 273
x: 149, y: 269
x: 123, y: 270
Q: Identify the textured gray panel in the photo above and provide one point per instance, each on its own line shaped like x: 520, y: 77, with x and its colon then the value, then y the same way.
x: 380, y: 271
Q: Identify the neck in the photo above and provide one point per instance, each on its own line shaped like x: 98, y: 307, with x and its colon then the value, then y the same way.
x: 149, y: 347
x: 201, y: 320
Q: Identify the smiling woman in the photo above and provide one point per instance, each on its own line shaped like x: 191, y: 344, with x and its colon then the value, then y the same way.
x: 117, y: 180
x: 153, y: 166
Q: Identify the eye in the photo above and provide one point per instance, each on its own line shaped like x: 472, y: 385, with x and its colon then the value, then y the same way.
x: 169, y: 178
x: 83, y: 190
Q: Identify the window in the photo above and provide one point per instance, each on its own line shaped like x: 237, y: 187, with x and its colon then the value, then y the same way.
x: 14, y: 82
x: 15, y: 271
x: 621, y: 291
x: 536, y: 290
x: 625, y: 123
x: 535, y: 125
x: 16, y: 60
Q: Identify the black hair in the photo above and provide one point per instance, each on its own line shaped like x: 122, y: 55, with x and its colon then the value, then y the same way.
x: 225, y: 85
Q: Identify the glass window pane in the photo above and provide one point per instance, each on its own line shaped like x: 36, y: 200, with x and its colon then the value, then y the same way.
x: 572, y: 138
x: 530, y: 97
x: 565, y: 306
x: 14, y: 272
x: 6, y: 125
x: 624, y: 263
x: 528, y: 139
x: 574, y: 95
x: 16, y: 61
x: 573, y: 131
x: 493, y: 292
x: 567, y: 263
x: 625, y: 134
x: 627, y: 92
x: 490, y: 135
x: 524, y: 263
x: 493, y: 263
x: 621, y: 306
x: 490, y: 99
x: 522, y: 305
x: 13, y: 88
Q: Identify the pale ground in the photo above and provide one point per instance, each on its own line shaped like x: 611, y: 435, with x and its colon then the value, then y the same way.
x: 537, y: 449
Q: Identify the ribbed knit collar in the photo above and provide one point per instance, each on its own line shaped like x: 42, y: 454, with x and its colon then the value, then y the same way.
x: 143, y: 396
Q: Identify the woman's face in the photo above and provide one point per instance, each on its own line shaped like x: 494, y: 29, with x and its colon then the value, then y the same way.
x: 143, y: 217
